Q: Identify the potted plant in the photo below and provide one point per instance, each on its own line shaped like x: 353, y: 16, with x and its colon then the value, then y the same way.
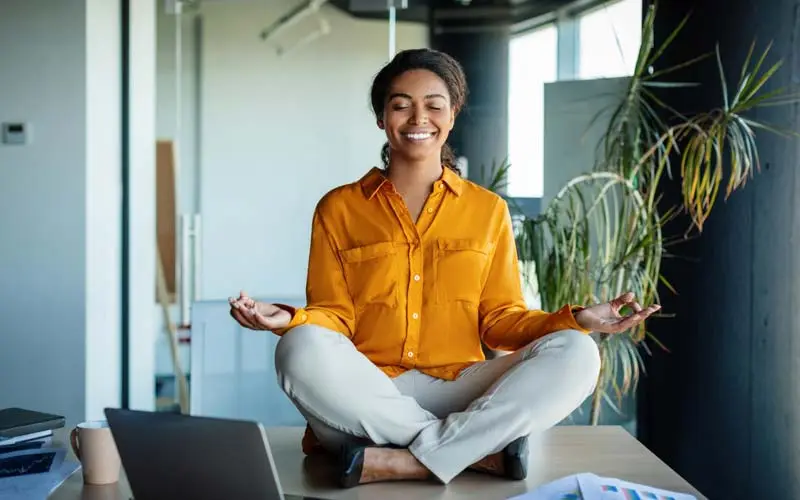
x: 603, y: 233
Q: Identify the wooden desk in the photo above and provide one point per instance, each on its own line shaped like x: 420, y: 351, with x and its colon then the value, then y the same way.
x: 606, y: 451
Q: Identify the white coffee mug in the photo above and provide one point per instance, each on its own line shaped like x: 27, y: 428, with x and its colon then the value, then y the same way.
x: 93, y: 444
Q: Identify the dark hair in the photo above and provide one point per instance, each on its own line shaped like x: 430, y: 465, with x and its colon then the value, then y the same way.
x: 444, y: 66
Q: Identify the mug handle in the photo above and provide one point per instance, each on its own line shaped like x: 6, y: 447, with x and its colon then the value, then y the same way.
x: 73, y: 441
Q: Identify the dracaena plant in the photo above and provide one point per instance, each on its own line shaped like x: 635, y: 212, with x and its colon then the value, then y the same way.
x: 602, y: 234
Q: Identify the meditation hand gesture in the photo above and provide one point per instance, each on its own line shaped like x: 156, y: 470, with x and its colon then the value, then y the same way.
x: 258, y: 315
x: 605, y: 318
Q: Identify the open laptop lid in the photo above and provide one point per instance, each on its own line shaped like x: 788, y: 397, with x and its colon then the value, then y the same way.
x: 168, y: 456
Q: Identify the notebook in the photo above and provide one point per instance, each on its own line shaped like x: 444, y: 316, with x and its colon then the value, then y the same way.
x: 15, y: 422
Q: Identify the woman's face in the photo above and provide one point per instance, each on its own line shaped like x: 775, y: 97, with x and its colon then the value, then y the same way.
x: 418, y: 115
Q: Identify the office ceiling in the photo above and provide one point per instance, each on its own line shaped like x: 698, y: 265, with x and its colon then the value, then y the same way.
x: 457, y: 13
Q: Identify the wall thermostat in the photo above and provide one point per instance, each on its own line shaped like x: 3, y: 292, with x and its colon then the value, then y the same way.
x: 16, y: 133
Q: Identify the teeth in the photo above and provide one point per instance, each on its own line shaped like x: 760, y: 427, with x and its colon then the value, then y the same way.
x: 419, y: 137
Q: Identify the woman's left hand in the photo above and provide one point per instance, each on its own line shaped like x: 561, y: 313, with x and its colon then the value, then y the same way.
x: 605, y: 318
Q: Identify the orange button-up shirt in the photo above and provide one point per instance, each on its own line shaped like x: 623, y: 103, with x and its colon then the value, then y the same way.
x: 420, y: 295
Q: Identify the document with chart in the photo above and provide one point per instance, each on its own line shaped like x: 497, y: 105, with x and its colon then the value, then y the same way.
x: 593, y: 487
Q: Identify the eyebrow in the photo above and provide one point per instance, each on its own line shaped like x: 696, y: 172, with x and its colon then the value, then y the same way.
x: 406, y: 96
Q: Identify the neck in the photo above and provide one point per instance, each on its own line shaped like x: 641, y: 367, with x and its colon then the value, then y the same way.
x: 414, y: 176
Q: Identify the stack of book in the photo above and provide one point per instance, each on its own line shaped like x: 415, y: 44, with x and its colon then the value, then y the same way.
x: 19, y: 426
x: 31, y: 466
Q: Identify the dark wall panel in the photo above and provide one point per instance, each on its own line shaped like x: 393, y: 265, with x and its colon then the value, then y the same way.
x: 481, y: 130
x: 723, y: 407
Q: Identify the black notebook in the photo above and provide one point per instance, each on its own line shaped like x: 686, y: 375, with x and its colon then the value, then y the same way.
x: 18, y: 422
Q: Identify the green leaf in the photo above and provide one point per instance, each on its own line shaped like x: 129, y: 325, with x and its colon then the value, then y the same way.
x: 670, y: 85
x: 722, y: 79
x: 604, y: 232
x: 650, y: 21
x: 676, y: 67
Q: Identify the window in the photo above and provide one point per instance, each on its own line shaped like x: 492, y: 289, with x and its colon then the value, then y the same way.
x: 608, y: 40
x: 532, y: 63
x: 599, y: 43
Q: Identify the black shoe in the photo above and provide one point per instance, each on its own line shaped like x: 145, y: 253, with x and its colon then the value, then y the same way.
x: 515, y: 459
x: 350, y: 466
x: 351, y: 463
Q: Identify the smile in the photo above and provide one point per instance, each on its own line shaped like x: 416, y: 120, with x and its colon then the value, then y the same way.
x: 419, y: 136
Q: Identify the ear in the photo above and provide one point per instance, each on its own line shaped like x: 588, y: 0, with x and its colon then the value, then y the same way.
x: 380, y: 124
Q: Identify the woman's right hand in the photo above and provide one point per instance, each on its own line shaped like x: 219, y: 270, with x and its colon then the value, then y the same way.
x: 258, y: 315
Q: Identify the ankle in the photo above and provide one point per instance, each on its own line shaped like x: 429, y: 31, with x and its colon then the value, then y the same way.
x: 382, y: 464
x: 491, y: 464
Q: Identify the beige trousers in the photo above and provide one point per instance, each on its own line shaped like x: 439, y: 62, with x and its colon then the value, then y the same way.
x: 446, y: 425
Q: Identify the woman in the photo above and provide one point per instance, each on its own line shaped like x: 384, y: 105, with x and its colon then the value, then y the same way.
x: 411, y: 269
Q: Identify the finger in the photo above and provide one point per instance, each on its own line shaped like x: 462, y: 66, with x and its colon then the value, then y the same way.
x: 649, y: 310
x: 235, y: 314
x: 636, y: 318
x: 635, y: 306
x: 244, y: 318
x: 235, y: 302
x: 252, y: 317
x: 623, y: 299
x: 628, y: 322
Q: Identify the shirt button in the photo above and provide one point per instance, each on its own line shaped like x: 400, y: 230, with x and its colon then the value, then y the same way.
x: 430, y: 210
x: 410, y: 354
x: 416, y: 277
x: 415, y: 315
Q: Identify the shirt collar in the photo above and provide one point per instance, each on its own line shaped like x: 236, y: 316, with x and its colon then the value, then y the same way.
x: 375, y: 179
x: 372, y: 182
x: 453, y: 181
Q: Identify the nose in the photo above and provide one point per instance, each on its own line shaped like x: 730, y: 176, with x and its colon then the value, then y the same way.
x: 419, y: 116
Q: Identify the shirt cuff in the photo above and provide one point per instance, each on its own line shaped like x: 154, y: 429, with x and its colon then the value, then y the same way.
x: 565, y: 318
x: 299, y: 317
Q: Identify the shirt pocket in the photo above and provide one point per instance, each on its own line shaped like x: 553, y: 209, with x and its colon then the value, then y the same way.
x: 371, y: 274
x: 460, y: 265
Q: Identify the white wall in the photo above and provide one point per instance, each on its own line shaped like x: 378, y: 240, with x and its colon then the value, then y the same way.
x: 570, y: 145
x: 42, y: 207
x: 142, y: 204
x: 277, y: 133
x: 103, y: 237
x: 60, y: 197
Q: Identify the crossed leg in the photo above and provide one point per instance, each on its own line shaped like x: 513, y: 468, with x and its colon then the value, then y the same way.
x: 447, y: 426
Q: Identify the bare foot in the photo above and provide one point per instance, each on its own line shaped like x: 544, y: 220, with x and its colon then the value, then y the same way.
x: 387, y: 464
x: 491, y: 464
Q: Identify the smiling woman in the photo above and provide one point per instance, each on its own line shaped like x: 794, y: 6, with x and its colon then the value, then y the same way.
x: 411, y: 269
x: 443, y: 95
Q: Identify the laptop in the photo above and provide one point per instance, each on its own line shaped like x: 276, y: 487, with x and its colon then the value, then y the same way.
x: 169, y: 456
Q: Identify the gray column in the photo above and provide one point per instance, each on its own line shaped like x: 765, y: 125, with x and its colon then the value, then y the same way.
x: 481, y: 131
